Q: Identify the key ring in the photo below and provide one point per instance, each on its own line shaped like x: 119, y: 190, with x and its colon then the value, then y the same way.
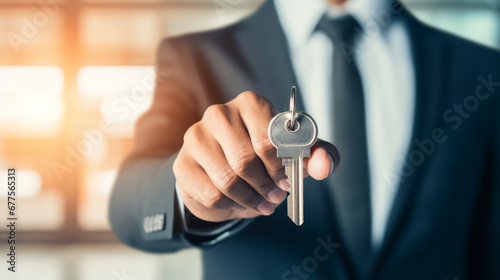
x: 292, y: 108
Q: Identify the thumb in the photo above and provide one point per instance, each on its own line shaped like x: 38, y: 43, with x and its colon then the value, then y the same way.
x: 324, y: 160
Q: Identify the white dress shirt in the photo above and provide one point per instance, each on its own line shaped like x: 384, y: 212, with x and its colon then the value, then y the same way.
x: 385, y: 64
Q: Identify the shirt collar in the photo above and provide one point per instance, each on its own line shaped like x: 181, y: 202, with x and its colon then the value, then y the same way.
x: 299, y: 18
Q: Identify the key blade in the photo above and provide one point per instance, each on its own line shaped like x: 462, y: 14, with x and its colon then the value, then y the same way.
x: 290, y: 206
x: 295, y: 198
x: 288, y: 173
x: 292, y: 210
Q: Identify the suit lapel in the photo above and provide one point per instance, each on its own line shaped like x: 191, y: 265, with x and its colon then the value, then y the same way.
x: 428, y: 56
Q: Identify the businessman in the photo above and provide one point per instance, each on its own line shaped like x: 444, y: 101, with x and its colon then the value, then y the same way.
x: 413, y: 111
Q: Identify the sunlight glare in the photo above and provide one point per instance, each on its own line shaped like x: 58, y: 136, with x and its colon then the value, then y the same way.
x: 31, y: 100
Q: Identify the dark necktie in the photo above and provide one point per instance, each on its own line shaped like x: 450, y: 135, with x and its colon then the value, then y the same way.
x: 351, y: 189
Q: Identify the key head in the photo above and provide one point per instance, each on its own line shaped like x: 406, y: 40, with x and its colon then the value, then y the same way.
x: 293, y: 143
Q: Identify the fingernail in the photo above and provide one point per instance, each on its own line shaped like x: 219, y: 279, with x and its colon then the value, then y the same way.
x: 283, y: 184
x: 277, y: 195
x: 265, y: 207
x: 332, y: 165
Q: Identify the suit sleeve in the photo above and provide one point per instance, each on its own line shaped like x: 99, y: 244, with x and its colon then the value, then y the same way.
x: 144, y: 210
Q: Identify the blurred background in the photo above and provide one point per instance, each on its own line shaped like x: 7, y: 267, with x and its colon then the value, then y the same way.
x: 74, y: 77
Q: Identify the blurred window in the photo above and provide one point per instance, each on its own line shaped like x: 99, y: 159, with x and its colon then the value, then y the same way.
x: 31, y: 184
x: 32, y: 198
x: 119, y: 94
x: 98, y: 185
x: 30, y: 100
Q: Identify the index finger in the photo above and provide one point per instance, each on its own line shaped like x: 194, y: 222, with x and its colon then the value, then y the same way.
x: 256, y: 112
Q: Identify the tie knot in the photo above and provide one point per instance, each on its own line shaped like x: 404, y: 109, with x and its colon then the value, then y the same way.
x: 340, y: 30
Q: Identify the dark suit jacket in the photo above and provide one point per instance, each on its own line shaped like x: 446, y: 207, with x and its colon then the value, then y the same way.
x: 445, y: 223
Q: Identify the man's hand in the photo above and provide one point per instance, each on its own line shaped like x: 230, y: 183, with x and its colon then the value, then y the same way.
x: 227, y: 167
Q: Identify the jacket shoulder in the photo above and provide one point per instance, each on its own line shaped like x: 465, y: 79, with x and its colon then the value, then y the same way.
x: 219, y: 37
x: 462, y: 49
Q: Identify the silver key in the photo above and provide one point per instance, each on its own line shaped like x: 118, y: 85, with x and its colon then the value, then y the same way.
x: 293, y: 143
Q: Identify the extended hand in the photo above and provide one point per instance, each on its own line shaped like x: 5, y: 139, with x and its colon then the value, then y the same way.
x: 227, y: 167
